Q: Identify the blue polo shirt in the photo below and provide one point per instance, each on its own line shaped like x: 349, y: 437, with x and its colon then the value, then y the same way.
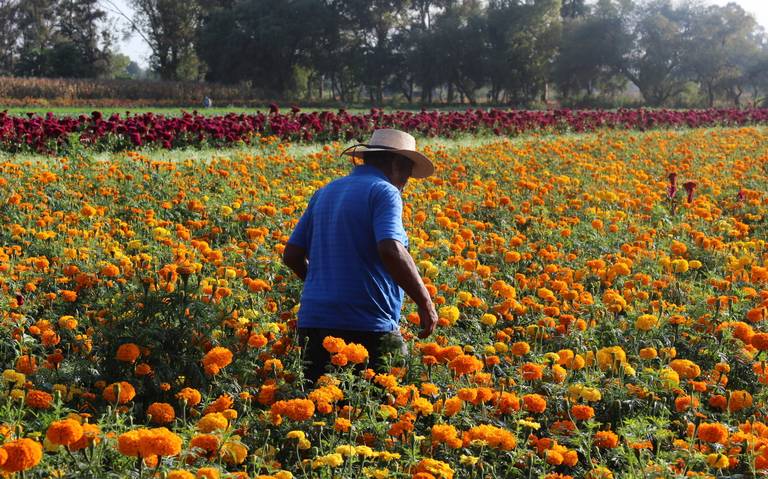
x: 347, y: 286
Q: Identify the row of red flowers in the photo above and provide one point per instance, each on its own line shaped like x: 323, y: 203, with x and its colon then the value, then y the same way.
x: 52, y: 134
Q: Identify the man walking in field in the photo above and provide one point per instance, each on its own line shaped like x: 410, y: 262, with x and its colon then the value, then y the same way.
x: 349, y: 248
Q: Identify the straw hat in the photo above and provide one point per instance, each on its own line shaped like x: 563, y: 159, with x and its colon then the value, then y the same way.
x: 395, y: 141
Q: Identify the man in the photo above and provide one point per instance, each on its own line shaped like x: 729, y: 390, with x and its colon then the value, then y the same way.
x: 349, y: 247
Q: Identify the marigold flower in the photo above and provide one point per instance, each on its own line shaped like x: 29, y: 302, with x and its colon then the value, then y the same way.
x: 180, y: 474
x: 712, y: 432
x: 739, y: 400
x: 295, y: 409
x: 465, y: 364
x: 212, y: 422
x: 129, y: 443
x: 90, y: 436
x: 534, y: 403
x: 221, y: 404
x: 333, y: 345
x: 606, y: 439
x: 64, y: 432
x: 208, y: 473
x: 216, y: 359
x: 207, y: 443
x: 26, y: 364
x: 161, y: 413
x: 128, y: 352
x: 646, y: 322
x: 125, y: 390
x: 582, y: 412
x: 37, y: 399
x: 190, y: 396
x: 22, y: 454
x: 438, y: 469
x: 493, y: 436
x: 233, y: 452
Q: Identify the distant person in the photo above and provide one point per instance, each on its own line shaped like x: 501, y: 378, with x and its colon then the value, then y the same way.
x: 207, y: 102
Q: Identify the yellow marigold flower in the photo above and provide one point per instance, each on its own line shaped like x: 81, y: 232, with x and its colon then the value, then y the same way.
x: 646, y: 322
x: 215, y: 421
x: 233, y: 452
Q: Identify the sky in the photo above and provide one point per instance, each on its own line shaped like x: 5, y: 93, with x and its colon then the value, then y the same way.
x: 139, y: 51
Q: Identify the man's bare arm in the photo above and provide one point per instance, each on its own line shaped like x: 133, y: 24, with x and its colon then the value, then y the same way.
x: 295, y: 257
x: 401, y: 267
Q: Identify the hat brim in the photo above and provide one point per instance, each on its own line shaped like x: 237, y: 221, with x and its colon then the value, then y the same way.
x: 422, y: 166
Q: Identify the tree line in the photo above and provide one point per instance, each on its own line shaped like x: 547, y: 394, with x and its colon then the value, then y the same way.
x: 514, y: 52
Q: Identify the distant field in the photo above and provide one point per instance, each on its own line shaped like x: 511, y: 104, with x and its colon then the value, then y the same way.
x: 177, y: 111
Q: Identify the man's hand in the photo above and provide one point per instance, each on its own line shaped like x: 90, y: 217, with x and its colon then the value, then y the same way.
x: 295, y: 258
x: 400, y: 265
x: 427, y: 320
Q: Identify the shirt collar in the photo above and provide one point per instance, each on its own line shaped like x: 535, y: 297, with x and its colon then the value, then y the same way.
x: 369, y: 170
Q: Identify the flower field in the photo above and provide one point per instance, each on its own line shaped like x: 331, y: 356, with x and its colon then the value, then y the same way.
x: 602, y: 298
x: 53, y: 134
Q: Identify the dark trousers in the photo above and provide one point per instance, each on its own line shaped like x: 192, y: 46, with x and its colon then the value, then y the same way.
x: 378, y: 344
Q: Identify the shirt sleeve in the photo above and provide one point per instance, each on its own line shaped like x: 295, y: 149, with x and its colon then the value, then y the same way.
x: 388, y: 214
x: 302, y: 233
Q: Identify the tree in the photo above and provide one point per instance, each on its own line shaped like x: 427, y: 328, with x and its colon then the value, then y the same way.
x: 655, y: 64
x: 574, y: 8
x: 722, y: 44
x: 61, y: 38
x: 171, y: 27
x: 523, y: 40
x: 591, y: 50
x: 259, y: 41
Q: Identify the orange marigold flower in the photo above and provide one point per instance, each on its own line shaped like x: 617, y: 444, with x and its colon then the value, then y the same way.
x: 452, y: 406
x: 760, y: 341
x: 221, y: 404
x: 207, y: 443
x: 128, y: 352
x: 64, y: 432
x: 180, y: 474
x: 129, y: 443
x: 685, y: 369
x: 534, y: 403
x: 216, y: 359
x: 37, y: 399
x: 295, y: 409
x: 125, y: 389
x: 342, y: 424
x: 212, y: 422
x: 582, y: 412
x: 446, y: 434
x: 531, y: 371
x: 606, y: 439
x: 161, y: 413
x: 190, y: 396
x: 465, y: 364
x: 90, y: 436
x: 26, y: 364
x: 333, y: 345
x: 712, y: 432
x: 208, y: 473
x: 494, y: 436
x: 257, y: 340
x: 356, y: 353
x: 160, y: 442
x: 682, y: 403
x: 739, y: 400
x: 520, y: 348
x: 22, y: 454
